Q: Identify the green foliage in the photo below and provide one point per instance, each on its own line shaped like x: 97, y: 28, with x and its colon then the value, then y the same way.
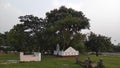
x: 33, y: 23
x: 17, y: 37
x: 78, y: 42
x: 116, y: 48
x: 1, y: 39
x: 64, y: 23
x: 4, y: 44
x: 98, y: 43
x: 28, y: 35
x: 63, y: 12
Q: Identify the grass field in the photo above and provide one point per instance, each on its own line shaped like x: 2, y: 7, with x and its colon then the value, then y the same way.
x: 57, y: 62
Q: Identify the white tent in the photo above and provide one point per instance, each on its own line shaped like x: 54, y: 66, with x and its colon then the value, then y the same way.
x: 68, y: 52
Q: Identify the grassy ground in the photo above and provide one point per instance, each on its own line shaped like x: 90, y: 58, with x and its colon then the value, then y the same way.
x: 109, y: 61
x: 57, y: 62
x: 47, y: 62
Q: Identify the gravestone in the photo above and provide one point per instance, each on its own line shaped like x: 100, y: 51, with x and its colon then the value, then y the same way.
x: 58, y: 49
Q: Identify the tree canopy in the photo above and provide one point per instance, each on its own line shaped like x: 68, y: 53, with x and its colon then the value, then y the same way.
x: 65, y: 23
x: 98, y: 43
x: 60, y: 26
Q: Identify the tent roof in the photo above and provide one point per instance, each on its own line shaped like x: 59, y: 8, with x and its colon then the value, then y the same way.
x: 70, y: 49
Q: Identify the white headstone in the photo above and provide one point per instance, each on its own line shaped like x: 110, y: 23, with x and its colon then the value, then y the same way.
x: 58, y: 47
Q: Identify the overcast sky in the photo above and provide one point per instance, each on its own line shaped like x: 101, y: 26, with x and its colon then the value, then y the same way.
x: 104, y: 15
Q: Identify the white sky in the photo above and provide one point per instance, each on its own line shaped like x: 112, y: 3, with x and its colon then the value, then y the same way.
x: 104, y: 15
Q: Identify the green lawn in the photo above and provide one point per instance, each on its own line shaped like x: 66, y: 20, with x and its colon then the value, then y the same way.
x: 109, y: 61
x: 47, y: 62
x: 57, y: 62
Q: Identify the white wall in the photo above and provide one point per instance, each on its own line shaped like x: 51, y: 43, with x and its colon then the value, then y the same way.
x: 35, y: 57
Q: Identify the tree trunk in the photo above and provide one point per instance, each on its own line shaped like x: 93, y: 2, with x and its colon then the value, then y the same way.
x: 97, y: 54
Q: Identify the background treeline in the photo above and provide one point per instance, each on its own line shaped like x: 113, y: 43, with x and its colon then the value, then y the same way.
x: 60, y: 26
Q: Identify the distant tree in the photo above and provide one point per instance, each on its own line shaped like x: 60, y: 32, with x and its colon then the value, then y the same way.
x: 4, y: 45
x: 116, y: 48
x: 17, y: 37
x: 98, y: 43
x: 2, y: 41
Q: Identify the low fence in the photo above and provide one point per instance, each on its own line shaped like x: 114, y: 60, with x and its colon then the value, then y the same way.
x: 111, y: 54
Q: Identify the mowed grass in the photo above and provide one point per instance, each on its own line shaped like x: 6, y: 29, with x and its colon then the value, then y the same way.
x: 47, y: 62
x: 58, y: 62
x: 109, y: 61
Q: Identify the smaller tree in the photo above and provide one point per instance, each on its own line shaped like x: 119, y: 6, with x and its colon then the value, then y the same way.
x: 98, y: 43
x: 16, y: 37
x: 116, y: 48
x: 4, y: 44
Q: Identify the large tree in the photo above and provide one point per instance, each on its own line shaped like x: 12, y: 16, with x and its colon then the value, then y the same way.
x: 98, y: 43
x: 64, y: 23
